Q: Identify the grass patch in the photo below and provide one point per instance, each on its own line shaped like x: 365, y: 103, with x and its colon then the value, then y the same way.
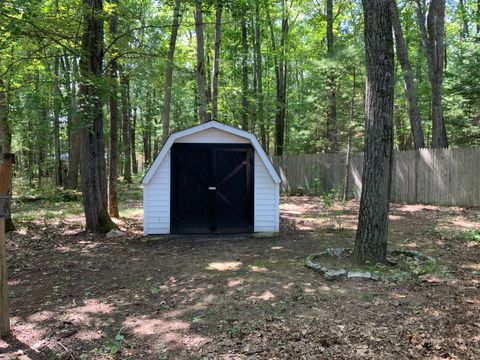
x: 50, y: 204
x: 131, y: 212
x: 262, y: 263
x: 470, y: 235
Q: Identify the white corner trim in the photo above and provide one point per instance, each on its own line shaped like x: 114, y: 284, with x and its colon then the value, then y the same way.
x: 208, y: 125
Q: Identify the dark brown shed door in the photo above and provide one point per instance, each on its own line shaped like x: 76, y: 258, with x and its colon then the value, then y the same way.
x: 212, y: 188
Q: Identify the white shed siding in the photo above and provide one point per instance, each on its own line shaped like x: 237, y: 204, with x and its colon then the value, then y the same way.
x: 156, y: 200
x: 213, y: 136
x: 266, y: 195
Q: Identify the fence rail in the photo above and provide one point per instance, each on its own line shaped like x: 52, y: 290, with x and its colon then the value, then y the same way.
x: 428, y: 176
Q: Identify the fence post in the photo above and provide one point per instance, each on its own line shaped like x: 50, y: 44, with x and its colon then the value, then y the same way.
x: 5, y: 179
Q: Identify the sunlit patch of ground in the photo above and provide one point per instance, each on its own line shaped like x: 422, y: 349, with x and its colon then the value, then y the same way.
x: 225, y: 265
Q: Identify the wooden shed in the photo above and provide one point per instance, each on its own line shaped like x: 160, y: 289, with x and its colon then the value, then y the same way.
x: 211, y: 178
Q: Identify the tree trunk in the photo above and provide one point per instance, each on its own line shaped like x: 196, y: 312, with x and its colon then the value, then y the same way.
x: 92, y: 160
x: 332, y: 132
x: 74, y: 125
x: 280, y: 65
x: 147, y: 131
x: 464, y: 33
x: 43, y: 141
x: 202, y: 95
x: 126, y: 140
x: 208, y: 78
x: 167, y: 97
x: 114, y: 116
x: 478, y: 17
x: 56, y: 120
x: 432, y: 35
x: 402, y: 55
x: 372, y: 231
x: 6, y: 146
x: 346, y: 179
x: 244, y: 113
x: 259, y: 74
x: 133, y: 142
x: 283, y: 83
x: 216, y: 58
x: 57, y: 95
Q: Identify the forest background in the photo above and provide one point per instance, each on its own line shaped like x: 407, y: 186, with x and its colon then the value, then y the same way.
x: 290, y: 71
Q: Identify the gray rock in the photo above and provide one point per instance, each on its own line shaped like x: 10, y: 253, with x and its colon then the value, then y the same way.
x: 114, y: 233
x: 334, y: 274
x: 362, y: 275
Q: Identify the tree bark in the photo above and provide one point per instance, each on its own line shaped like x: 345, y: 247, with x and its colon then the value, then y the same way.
x: 126, y: 122
x: 147, y: 131
x: 478, y: 17
x: 216, y: 57
x: 202, y: 95
x: 244, y: 113
x: 432, y: 33
x: 346, y: 179
x: 409, y: 85
x: 280, y: 65
x: 332, y: 131
x: 71, y: 71
x: 92, y: 160
x: 167, y: 97
x: 56, y: 114
x: 6, y: 147
x: 464, y: 33
x: 259, y: 75
x: 372, y: 231
x: 133, y: 146
x: 114, y: 117
x: 56, y: 120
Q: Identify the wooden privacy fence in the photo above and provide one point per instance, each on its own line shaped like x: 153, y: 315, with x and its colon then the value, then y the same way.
x: 428, y: 176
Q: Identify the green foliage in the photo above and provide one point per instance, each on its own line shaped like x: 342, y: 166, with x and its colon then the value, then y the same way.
x: 32, y: 36
x: 197, y: 319
x: 115, y: 345
x: 235, y: 330
x: 471, y: 235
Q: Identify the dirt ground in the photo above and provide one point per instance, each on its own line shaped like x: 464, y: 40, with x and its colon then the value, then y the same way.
x: 79, y: 296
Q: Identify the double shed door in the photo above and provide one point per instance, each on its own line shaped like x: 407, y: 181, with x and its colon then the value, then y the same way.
x: 212, y: 188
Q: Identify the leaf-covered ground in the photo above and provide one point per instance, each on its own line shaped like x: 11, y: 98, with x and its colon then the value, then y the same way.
x: 79, y: 296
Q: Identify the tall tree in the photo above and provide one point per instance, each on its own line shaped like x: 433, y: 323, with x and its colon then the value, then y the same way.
x: 167, y: 96
x: 332, y: 132
x: 133, y: 145
x: 56, y: 119
x: 6, y: 145
x: 372, y: 231
x: 114, y: 117
x: 281, y: 67
x: 478, y: 17
x: 432, y: 31
x: 92, y: 163
x: 244, y: 112
x: 348, y: 160
x: 216, y: 57
x: 71, y: 72
x: 201, y: 89
x: 126, y: 127
x: 259, y: 76
x: 409, y: 85
x: 464, y: 33
x: 57, y: 102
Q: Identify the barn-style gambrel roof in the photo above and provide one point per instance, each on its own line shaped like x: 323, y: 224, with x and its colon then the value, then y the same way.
x: 205, y: 126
